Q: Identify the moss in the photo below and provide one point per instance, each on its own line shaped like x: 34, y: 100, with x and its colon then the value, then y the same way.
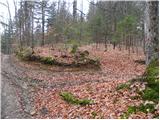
x: 146, y: 108
x: 151, y: 77
x: 47, y: 60
x: 85, y: 102
x: 81, y: 60
x: 84, y: 54
x: 94, y: 114
x: 150, y: 94
x: 68, y: 97
x: 123, y: 86
x: 133, y: 109
x: 24, y: 53
x: 156, y: 116
x: 74, y: 49
x: 94, y: 62
x: 135, y: 97
x: 152, y: 72
x: 125, y: 115
x: 71, y: 99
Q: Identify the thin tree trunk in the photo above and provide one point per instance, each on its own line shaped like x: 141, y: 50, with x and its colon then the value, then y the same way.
x: 106, y: 48
x: 43, y: 22
x: 32, y: 27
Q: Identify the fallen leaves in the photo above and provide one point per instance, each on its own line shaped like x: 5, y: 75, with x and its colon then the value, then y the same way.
x: 99, y: 86
x: 107, y: 103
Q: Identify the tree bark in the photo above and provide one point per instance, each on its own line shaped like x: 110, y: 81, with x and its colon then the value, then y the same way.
x: 152, y: 42
x: 43, y: 22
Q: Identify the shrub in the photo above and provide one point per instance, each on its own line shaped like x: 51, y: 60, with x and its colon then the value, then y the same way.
x: 71, y: 99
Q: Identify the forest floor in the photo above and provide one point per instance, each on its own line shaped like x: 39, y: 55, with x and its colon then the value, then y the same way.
x: 38, y: 86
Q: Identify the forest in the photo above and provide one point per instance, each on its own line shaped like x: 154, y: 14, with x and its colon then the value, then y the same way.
x: 79, y: 59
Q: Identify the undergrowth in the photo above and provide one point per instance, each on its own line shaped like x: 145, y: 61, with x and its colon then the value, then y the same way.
x: 94, y: 114
x: 123, y: 86
x: 47, y: 60
x: 82, y: 58
x: 151, y: 77
x: 142, y: 108
x: 70, y: 98
x: 150, y: 93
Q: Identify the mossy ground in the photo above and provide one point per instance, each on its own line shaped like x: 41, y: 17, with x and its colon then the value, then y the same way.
x: 70, y: 98
x: 79, y: 58
x: 150, y: 93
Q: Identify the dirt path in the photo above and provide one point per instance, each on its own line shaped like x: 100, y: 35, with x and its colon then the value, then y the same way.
x: 12, y: 91
x: 18, y: 90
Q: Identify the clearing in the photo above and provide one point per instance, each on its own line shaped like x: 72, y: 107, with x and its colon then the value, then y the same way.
x: 39, y: 86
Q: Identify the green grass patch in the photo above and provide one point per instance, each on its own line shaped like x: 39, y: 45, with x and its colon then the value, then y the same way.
x: 70, y: 98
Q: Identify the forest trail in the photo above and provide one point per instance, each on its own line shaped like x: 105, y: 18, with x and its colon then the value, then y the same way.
x: 26, y: 83
x: 11, y: 101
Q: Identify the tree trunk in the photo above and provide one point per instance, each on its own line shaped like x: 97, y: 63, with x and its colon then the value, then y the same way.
x: 43, y: 22
x: 105, y: 43
x: 152, y: 43
x: 32, y: 28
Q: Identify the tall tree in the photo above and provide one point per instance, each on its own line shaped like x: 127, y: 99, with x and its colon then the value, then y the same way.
x: 152, y: 42
x: 74, y: 10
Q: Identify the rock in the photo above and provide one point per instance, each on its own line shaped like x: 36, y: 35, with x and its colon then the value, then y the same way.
x: 33, y: 112
x: 148, y: 102
x: 157, y: 107
x: 44, y: 110
x: 25, y: 86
